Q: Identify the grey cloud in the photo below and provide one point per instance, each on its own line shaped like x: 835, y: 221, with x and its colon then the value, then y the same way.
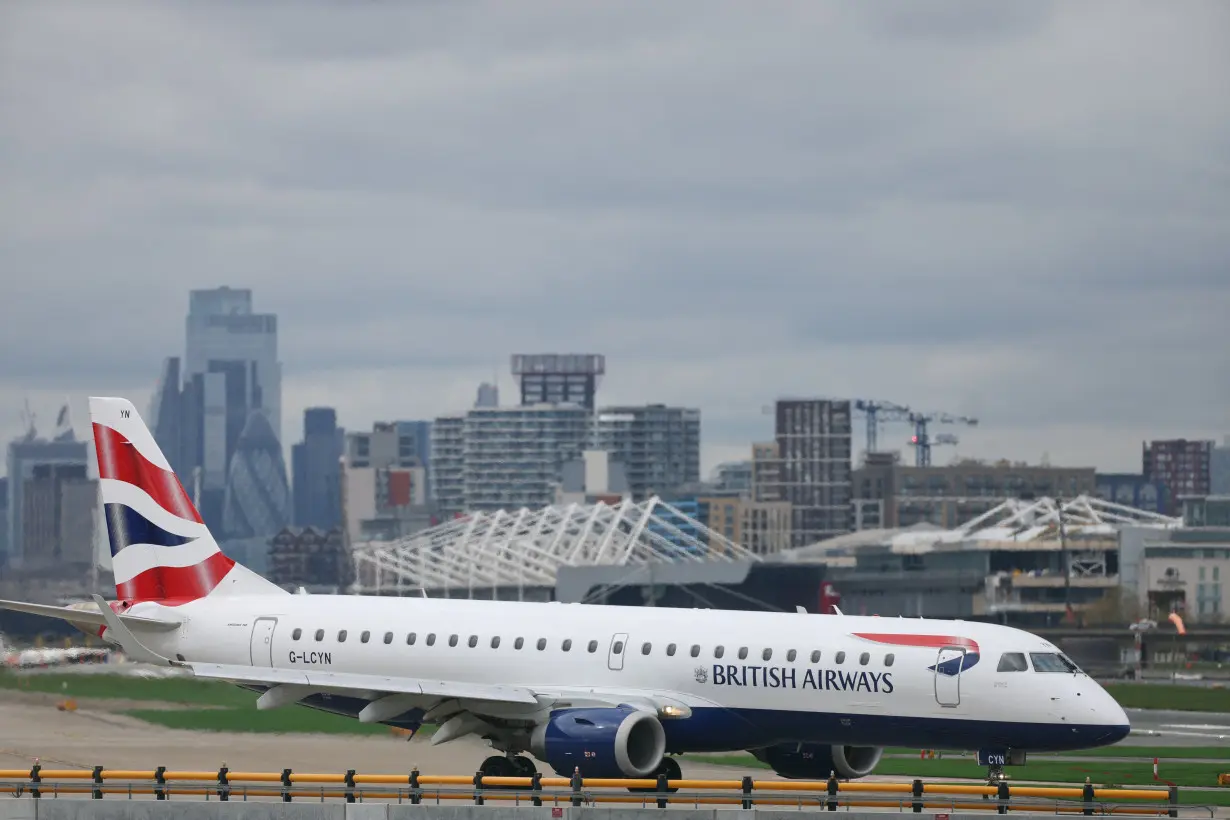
x: 1015, y: 211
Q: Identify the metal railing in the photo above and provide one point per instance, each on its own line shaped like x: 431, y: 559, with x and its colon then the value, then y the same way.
x: 415, y: 787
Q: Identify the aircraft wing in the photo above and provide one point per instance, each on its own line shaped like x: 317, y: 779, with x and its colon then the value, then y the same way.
x: 371, y: 685
x: 87, y: 616
x: 461, y: 708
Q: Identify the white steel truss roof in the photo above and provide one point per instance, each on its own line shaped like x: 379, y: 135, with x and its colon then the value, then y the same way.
x: 1083, y: 513
x: 525, y: 547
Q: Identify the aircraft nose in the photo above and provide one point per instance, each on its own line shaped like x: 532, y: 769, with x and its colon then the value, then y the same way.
x: 1113, y: 714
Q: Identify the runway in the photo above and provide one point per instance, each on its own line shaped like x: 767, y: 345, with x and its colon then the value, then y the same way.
x: 95, y: 735
x: 1174, y: 728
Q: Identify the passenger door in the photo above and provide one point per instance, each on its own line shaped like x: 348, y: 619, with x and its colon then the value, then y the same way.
x: 948, y: 668
x: 615, y: 657
x: 262, y: 641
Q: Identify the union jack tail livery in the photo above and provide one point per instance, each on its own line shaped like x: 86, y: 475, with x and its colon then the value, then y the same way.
x: 160, y: 549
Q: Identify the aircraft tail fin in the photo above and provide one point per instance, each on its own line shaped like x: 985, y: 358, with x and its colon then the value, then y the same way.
x: 161, y: 550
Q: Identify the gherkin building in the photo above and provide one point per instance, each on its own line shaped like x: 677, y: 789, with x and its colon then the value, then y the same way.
x: 257, y: 503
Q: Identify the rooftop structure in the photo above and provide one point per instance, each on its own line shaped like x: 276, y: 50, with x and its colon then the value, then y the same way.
x: 558, y: 378
x: 1030, y: 563
x: 1013, y: 521
x: 525, y: 548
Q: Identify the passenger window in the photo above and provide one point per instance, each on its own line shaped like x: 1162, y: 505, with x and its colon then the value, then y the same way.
x: 768, y: 653
x: 841, y: 657
x: 388, y: 638
x: 815, y: 656
x: 341, y: 636
x: 695, y: 650
x: 888, y: 659
x: 618, y: 648
x: 791, y: 655
x: 495, y: 642
x: 410, y: 639
x: 864, y: 659
x: 1013, y: 662
x: 645, y: 647
x: 452, y: 640
x: 670, y: 650
x: 365, y: 637
x: 719, y: 651
x: 520, y: 642
x: 297, y: 634
x: 567, y: 645
x: 542, y: 644
x: 431, y: 639
x: 320, y: 634
x: 742, y: 652
x: 473, y: 641
x: 593, y: 646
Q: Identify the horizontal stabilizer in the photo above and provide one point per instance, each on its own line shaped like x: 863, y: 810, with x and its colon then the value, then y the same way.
x: 93, y: 617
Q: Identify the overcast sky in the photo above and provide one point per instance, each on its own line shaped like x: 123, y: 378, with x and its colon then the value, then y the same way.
x: 1015, y: 211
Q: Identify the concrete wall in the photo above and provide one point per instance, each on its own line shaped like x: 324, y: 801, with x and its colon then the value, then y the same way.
x: 120, y: 809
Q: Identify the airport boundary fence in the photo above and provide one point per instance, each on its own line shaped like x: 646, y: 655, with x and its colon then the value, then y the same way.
x: 747, y: 793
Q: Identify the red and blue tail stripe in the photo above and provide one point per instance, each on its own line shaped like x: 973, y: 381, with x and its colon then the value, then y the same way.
x: 119, y: 460
x: 172, y: 559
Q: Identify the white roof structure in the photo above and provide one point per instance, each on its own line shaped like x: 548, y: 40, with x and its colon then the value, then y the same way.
x: 526, y: 547
x: 1015, y: 520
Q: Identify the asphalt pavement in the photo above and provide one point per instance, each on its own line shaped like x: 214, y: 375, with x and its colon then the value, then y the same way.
x: 1152, y: 727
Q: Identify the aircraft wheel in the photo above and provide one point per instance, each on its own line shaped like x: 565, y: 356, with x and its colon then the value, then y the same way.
x: 669, y: 767
x: 498, y: 766
x: 525, y: 766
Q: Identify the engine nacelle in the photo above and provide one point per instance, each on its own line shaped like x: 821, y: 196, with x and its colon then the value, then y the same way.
x: 611, y: 742
x: 815, y: 761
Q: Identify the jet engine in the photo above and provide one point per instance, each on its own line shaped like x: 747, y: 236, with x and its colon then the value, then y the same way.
x: 603, y: 742
x: 815, y: 761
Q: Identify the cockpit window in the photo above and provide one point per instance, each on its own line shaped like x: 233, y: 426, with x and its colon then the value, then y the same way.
x: 1013, y: 662
x: 1052, y: 662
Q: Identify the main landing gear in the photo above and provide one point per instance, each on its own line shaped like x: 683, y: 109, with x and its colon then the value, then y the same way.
x: 508, y: 766
x: 668, y: 768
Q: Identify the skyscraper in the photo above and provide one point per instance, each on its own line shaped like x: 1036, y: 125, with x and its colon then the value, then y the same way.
x: 809, y: 467
x: 448, y: 465
x: 514, y: 456
x: 257, y: 501
x: 659, y: 446
x: 488, y: 395
x: 51, y: 501
x: 203, y: 404
x: 558, y: 378
x: 1219, y: 468
x: 317, y: 470
x: 1182, y: 465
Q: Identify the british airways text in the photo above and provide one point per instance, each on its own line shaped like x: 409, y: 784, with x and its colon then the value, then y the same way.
x: 783, y: 677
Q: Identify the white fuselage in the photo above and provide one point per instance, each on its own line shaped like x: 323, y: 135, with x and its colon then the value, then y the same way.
x: 822, y: 680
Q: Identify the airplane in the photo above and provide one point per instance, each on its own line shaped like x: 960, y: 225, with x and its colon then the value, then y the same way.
x: 608, y: 691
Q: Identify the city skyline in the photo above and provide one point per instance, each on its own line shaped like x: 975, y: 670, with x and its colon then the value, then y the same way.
x: 1013, y: 213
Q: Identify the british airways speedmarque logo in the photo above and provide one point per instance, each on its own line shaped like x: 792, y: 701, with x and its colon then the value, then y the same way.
x: 951, y: 666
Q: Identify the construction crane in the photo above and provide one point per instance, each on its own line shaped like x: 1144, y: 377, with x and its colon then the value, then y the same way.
x: 922, y: 440
x: 875, y: 411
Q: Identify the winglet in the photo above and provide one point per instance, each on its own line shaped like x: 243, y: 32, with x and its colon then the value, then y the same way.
x: 128, y: 642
